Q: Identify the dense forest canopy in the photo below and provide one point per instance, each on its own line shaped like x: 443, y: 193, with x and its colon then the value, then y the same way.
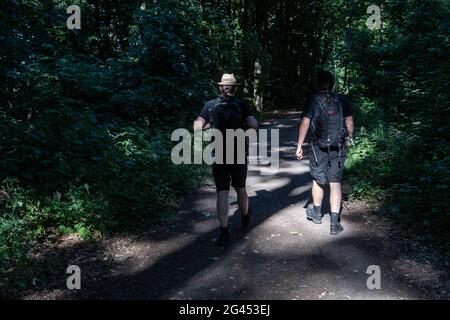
x: 85, y: 112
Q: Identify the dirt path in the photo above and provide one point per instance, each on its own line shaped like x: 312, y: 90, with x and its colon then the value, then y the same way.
x: 282, y: 257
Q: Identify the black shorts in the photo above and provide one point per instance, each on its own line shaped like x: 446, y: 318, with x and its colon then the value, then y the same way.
x: 329, y: 168
x: 226, y: 174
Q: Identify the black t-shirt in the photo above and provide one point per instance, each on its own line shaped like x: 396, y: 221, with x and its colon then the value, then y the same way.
x: 246, y: 111
x: 347, y: 108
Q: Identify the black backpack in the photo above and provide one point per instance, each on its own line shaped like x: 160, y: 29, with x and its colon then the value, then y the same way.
x: 327, y: 124
x: 226, y: 114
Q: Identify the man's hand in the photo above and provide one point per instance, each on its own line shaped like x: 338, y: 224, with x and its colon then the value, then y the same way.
x: 349, y: 142
x: 199, y: 123
x: 299, y: 152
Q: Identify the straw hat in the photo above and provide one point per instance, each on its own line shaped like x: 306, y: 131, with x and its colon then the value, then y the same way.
x: 228, y: 80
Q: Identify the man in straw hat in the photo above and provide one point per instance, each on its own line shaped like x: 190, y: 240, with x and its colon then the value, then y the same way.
x: 228, y: 112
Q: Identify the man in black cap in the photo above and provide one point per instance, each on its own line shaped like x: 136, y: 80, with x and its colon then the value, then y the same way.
x: 328, y: 118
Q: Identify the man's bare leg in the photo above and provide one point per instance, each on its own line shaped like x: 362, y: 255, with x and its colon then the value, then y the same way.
x: 222, y: 208
x: 314, y: 211
x: 317, y: 194
x: 335, y: 207
x: 246, y: 213
x: 242, y: 197
x: 222, y: 214
x: 335, y: 197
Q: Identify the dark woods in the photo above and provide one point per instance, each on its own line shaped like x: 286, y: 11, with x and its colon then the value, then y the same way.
x: 86, y: 115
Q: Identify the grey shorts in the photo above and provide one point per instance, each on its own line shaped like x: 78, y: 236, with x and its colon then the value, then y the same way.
x: 329, y: 166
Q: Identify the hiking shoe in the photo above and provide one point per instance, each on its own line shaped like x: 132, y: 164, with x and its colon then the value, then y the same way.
x: 312, y: 215
x: 336, y: 228
x: 224, y: 237
x: 247, y: 219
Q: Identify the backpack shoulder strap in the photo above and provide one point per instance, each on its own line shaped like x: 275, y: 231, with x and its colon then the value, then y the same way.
x: 341, y: 109
x: 210, y: 110
x: 318, y: 104
x: 238, y: 106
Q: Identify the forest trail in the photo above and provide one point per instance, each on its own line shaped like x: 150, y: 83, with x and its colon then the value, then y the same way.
x: 283, y: 256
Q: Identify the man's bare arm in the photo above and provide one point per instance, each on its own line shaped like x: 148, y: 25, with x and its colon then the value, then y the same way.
x: 350, y: 126
x: 252, y: 123
x: 303, y: 131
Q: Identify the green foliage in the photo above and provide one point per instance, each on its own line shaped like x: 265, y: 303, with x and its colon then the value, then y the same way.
x: 27, y: 218
x: 402, y: 73
x: 394, y: 168
x: 86, y: 115
x: 85, y: 127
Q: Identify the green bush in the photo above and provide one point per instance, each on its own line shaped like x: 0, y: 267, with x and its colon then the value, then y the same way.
x: 85, y: 127
x: 27, y: 218
x: 133, y: 178
x: 400, y: 170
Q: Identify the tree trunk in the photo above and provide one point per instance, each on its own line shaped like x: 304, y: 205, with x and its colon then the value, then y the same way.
x: 257, y: 88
